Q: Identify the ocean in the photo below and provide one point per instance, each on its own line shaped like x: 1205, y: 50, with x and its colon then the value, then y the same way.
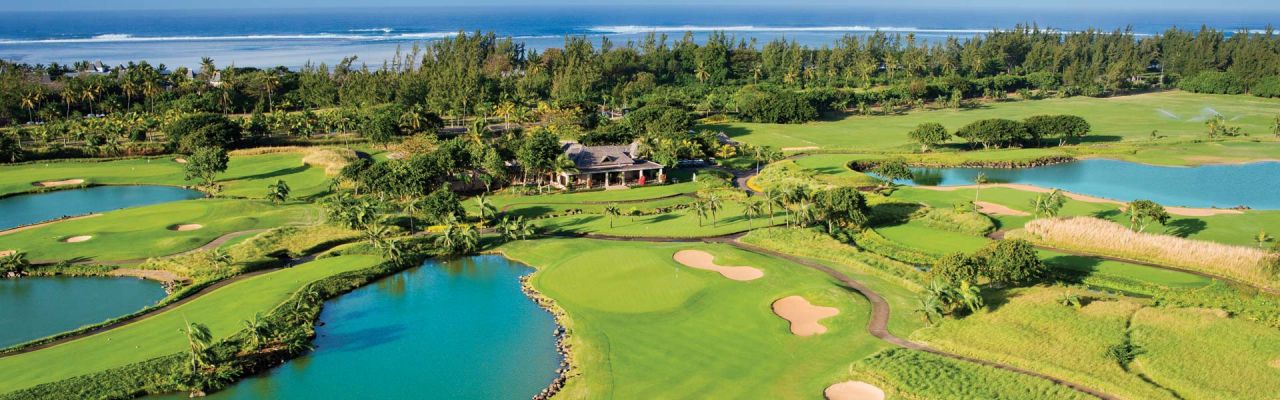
x: 291, y: 38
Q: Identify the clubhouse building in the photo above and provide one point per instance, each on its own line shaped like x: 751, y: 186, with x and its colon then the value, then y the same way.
x: 608, y: 167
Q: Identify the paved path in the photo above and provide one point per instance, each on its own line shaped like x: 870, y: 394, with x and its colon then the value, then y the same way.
x: 878, y: 325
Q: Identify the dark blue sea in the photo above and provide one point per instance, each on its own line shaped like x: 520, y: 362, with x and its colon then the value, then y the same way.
x: 292, y: 37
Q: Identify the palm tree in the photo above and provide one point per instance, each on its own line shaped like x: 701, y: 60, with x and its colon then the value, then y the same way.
x: 199, y: 339
x: 701, y: 73
x: 279, y: 192
x: 699, y: 208
x: 14, y: 264
x: 30, y: 102
x: 979, y: 180
x: 751, y: 209
x: 259, y: 330
x: 612, y: 212
x: 411, y: 207
x: 487, y: 210
x: 929, y: 309
x: 970, y: 296
x: 514, y: 229
x: 506, y: 110
x: 714, y: 205
x: 269, y: 84
x: 773, y: 197
x: 565, y: 166
x: 1262, y: 238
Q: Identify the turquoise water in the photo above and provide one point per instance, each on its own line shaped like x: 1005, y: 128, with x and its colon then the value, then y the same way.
x: 458, y: 329
x: 32, y: 208
x: 1255, y: 185
x: 35, y: 307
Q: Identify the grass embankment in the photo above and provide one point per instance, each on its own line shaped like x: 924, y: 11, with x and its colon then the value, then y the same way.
x: 1096, y: 236
x: 121, y: 235
x: 1174, y: 352
x: 917, y: 375
x: 677, y: 223
x: 1173, y: 114
x: 627, y: 319
x: 248, y: 173
x: 221, y: 310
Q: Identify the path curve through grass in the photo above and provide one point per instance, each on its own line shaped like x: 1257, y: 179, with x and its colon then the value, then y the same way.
x: 878, y: 325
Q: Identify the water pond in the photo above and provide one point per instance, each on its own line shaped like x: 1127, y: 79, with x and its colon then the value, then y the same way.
x: 35, y: 307
x: 458, y: 329
x: 32, y: 208
x: 1254, y: 185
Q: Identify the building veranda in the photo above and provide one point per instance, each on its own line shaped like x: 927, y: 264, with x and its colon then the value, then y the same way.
x: 608, y: 167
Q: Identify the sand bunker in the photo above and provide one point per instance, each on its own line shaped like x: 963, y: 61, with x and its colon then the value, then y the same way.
x: 6, y: 253
x: 1275, y: 363
x: 180, y: 160
x: 703, y: 260
x: 77, y: 239
x: 997, y: 209
x: 1180, y: 211
x: 853, y: 390
x: 803, y: 315
x: 185, y: 227
x: 59, y: 183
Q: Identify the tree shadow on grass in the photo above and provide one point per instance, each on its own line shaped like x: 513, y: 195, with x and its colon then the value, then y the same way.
x: 272, y: 174
x: 892, y: 214
x: 1106, y: 214
x: 531, y: 211
x: 1071, y: 269
x: 1185, y: 227
x: 993, y: 299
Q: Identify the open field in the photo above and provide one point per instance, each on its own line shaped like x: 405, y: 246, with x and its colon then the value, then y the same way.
x: 221, y: 310
x: 627, y: 320
x: 1174, y: 114
x: 143, y: 232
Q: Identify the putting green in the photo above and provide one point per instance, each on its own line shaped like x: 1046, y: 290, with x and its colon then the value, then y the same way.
x: 644, y: 326
x: 222, y: 310
x: 143, y: 232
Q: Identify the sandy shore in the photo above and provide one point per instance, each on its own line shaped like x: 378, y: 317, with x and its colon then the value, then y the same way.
x: 59, y: 183
x: 703, y: 260
x: 853, y: 390
x: 1182, y: 211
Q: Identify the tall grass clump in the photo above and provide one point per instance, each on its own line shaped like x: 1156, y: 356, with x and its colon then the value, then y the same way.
x: 813, y: 244
x: 1092, y: 235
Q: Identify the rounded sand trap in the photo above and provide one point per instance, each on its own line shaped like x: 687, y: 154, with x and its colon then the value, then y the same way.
x: 77, y: 239
x: 803, y: 315
x: 185, y: 227
x: 59, y: 183
x: 997, y: 209
x: 853, y: 390
x: 6, y: 253
x: 703, y: 260
x: 180, y: 160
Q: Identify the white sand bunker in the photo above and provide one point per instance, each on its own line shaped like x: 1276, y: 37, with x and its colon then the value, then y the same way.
x: 77, y: 239
x: 804, y: 316
x: 185, y: 227
x: 997, y: 209
x: 59, y: 183
x: 6, y: 253
x: 853, y: 390
x: 180, y: 160
x: 703, y: 260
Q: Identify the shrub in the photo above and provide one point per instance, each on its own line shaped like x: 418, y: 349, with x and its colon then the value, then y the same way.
x: 994, y: 132
x: 1063, y: 127
x: 1213, y: 82
x: 1012, y: 261
x: 202, y: 130
x: 929, y: 134
x: 955, y: 268
x: 774, y: 106
x: 967, y: 222
x: 659, y: 119
x: 1268, y: 87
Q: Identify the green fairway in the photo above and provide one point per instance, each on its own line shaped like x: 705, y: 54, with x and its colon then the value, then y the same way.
x: 246, y: 176
x: 651, y: 328
x: 221, y: 310
x: 1174, y: 114
x: 595, y: 196
x: 143, y: 232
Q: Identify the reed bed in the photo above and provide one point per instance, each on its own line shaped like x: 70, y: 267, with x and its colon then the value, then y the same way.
x: 1092, y: 235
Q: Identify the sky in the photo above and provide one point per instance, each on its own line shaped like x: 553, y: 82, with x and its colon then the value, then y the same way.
x: 71, y: 5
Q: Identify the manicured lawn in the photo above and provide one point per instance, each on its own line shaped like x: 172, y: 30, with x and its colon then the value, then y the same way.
x: 1173, y: 114
x: 595, y: 196
x: 651, y: 328
x: 143, y: 232
x: 917, y: 236
x: 246, y: 176
x: 221, y: 310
